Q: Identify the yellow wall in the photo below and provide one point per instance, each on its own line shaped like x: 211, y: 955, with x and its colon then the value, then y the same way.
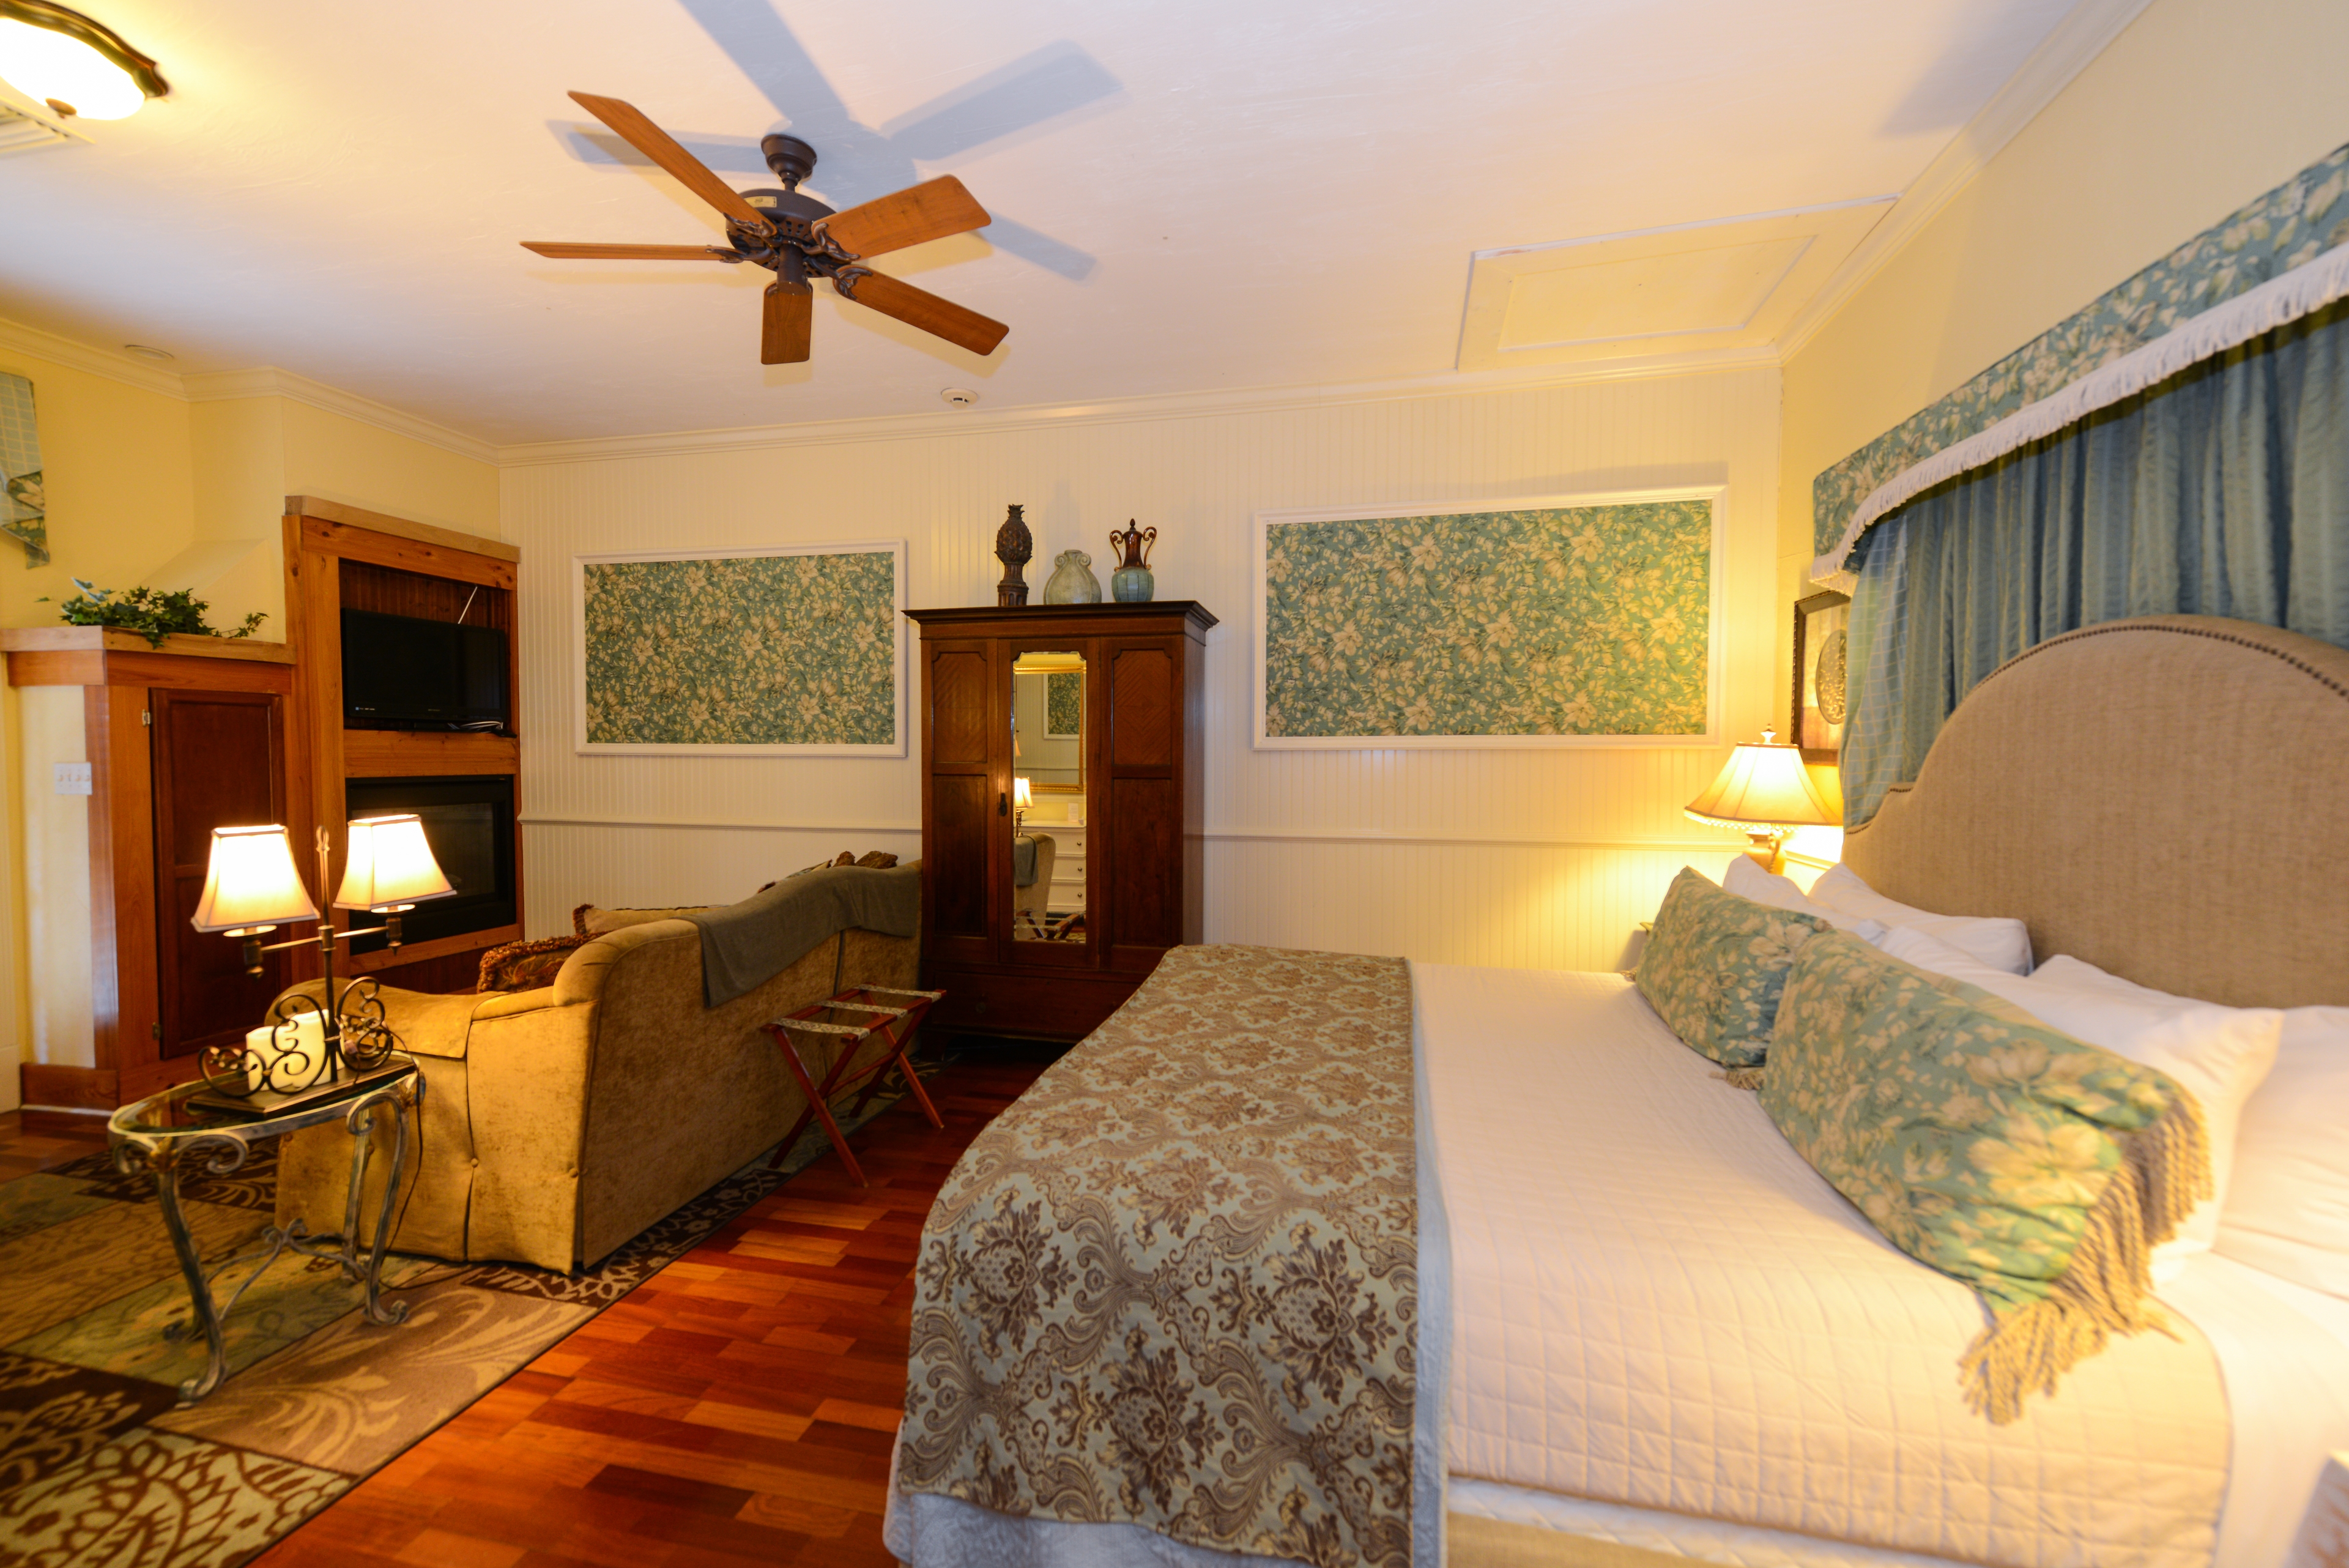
x: 147, y: 487
x: 2196, y: 109
x: 339, y: 459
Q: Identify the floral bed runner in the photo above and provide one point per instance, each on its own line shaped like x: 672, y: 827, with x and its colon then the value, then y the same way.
x: 1177, y: 1285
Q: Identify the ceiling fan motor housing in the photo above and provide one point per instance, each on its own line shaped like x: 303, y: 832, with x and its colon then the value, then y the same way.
x: 792, y: 159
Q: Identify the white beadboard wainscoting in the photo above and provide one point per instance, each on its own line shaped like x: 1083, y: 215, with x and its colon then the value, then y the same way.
x: 1444, y: 898
x: 1542, y: 857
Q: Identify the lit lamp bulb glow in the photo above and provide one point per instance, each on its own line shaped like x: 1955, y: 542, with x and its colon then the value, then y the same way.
x: 76, y: 63
x: 66, y: 73
x: 389, y: 866
x: 1763, y: 790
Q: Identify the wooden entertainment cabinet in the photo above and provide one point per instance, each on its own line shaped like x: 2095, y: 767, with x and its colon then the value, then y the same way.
x: 341, y: 557
x: 208, y: 731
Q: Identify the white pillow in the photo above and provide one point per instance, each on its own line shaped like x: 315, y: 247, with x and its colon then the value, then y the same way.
x: 2288, y: 1206
x: 1747, y: 878
x: 2219, y: 1055
x: 1994, y: 940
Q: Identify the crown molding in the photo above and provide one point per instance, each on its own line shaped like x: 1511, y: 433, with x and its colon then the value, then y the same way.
x: 91, y: 360
x: 212, y: 387
x: 268, y: 381
x: 1122, y: 411
x: 2083, y: 34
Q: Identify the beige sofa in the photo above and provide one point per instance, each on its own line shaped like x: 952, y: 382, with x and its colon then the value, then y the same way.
x: 560, y: 1122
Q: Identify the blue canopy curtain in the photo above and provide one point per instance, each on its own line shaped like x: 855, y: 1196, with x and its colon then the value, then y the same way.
x: 2223, y: 490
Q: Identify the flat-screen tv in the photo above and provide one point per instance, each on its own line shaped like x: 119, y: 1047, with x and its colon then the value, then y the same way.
x: 403, y: 673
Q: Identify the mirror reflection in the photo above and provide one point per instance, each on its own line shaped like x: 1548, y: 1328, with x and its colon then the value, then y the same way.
x: 1048, y: 765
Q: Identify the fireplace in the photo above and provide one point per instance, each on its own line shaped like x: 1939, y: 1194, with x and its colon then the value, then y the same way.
x: 470, y: 823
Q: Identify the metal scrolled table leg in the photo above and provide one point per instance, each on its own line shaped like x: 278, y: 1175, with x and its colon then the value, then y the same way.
x: 163, y: 1161
x: 397, y: 1098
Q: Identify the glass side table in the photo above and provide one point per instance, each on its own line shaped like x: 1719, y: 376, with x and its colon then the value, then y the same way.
x: 163, y: 1134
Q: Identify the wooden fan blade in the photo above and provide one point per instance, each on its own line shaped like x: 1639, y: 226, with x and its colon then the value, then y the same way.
x: 920, y: 307
x: 783, y: 329
x: 930, y: 211
x: 564, y: 249
x: 658, y: 145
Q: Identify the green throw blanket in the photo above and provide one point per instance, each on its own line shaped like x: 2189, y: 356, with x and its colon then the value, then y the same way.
x: 745, y: 945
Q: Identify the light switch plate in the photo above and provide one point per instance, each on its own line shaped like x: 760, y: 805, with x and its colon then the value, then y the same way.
x: 72, y: 778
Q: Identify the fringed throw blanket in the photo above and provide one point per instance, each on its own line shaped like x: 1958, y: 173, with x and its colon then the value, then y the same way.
x: 1176, y: 1285
x: 2039, y: 1170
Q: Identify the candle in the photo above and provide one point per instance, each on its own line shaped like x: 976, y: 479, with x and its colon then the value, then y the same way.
x: 285, y: 1056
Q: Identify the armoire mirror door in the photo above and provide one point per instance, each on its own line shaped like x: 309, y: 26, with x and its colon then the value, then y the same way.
x: 1048, y: 889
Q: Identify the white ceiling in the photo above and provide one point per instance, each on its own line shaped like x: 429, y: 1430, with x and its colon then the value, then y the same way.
x: 1195, y: 196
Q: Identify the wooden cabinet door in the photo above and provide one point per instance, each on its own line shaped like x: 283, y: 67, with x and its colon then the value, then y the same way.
x: 218, y: 760
x: 966, y: 808
x: 1138, y: 851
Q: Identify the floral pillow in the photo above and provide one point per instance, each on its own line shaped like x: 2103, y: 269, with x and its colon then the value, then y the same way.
x: 2038, y: 1171
x: 525, y: 966
x: 1714, y: 965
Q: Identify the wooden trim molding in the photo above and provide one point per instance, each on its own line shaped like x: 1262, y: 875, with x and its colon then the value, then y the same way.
x: 336, y: 512
x: 412, y: 754
x: 44, y: 1085
x: 114, y: 639
x: 387, y: 965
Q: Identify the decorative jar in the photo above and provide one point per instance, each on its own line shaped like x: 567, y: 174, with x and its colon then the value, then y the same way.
x: 1072, y: 581
x: 1131, y: 582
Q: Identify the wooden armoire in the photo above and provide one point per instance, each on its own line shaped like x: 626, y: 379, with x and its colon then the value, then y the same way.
x: 1125, y: 737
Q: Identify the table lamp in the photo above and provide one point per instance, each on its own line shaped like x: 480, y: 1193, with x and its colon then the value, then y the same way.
x: 251, y: 888
x: 1023, y: 795
x: 1764, y: 789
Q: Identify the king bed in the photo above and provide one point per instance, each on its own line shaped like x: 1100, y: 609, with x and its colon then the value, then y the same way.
x: 1331, y: 1259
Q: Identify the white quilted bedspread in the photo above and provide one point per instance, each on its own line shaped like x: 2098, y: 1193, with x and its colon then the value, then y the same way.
x: 1657, y: 1302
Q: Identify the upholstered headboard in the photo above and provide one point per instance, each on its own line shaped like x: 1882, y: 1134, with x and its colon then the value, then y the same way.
x: 2166, y: 798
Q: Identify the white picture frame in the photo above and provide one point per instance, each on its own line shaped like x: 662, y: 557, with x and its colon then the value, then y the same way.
x: 1715, y: 495
x: 899, y: 648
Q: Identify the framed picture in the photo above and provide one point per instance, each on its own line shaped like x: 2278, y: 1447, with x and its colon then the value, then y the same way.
x: 767, y: 650
x: 1822, y: 624
x: 1064, y: 704
x: 1556, y: 620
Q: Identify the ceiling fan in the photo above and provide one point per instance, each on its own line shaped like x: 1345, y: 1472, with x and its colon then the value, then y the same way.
x: 798, y: 237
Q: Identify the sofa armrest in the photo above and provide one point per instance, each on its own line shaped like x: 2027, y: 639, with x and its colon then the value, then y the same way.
x: 508, y: 1003
x: 426, y: 1024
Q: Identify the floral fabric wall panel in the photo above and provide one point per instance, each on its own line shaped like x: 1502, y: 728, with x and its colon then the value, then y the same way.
x: 1555, y: 622
x: 793, y: 649
x: 1064, y: 704
x: 2287, y: 227
x: 24, y: 511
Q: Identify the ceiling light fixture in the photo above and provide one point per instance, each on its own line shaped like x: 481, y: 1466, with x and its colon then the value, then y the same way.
x: 76, y: 66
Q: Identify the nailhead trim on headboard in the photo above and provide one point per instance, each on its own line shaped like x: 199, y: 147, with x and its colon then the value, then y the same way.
x: 2322, y: 679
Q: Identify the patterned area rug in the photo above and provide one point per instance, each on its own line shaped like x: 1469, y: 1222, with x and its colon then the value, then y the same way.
x: 100, y: 1466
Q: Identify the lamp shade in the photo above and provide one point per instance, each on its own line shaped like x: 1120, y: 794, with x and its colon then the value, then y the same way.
x: 250, y: 883
x: 389, y: 863
x: 1762, y: 785
x: 1022, y: 793
x: 75, y: 64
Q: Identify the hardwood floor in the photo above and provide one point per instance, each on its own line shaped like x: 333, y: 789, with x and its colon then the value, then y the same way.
x: 736, y: 1409
x: 33, y: 1141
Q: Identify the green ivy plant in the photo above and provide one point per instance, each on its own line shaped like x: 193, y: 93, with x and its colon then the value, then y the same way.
x: 153, y: 615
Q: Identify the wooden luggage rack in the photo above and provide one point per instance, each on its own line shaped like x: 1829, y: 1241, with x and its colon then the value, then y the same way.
x: 895, y: 1026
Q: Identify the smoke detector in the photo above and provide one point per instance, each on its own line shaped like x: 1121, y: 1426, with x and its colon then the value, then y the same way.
x: 960, y: 397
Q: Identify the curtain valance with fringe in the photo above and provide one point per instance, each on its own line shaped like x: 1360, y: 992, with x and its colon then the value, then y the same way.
x: 2207, y: 473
